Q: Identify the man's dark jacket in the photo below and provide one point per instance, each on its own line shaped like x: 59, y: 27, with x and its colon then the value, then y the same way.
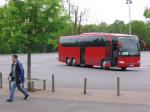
x: 19, y: 73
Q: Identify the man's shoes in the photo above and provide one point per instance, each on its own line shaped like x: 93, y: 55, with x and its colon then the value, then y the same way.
x: 26, y: 97
x: 9, y: 100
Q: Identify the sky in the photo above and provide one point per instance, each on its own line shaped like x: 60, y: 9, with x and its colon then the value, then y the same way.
x: 109, y: 10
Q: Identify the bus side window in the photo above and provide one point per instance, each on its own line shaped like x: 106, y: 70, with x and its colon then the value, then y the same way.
x: 65, y: 41
x: 94, y: 41
x: 73, y: 41
x: 107, y: 42
x: 85, y: 41
x: 103, y: 41
x: 62, y: 41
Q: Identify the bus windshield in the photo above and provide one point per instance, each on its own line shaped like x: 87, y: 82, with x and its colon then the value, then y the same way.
x: 129, y: 46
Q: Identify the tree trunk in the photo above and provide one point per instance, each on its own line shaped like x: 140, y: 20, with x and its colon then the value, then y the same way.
x: 80, y: 20
x: 29, y: 71
x: 76, y: 20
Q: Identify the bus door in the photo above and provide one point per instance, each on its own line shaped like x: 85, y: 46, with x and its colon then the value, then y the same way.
x: 115, y: 51
x: 82, y: 55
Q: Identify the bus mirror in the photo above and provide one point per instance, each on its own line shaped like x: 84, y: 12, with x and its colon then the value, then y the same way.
x: 142, y: 45
x: 119, y: 44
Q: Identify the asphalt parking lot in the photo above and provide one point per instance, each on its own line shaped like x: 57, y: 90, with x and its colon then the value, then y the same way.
x: 43, y: 65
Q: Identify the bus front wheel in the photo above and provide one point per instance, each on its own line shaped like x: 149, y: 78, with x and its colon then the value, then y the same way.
x: 103, y: 63
x: 123, y: 68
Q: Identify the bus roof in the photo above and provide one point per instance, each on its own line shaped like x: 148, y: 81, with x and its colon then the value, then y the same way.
x: 108, y: 34
x: 100, y: 34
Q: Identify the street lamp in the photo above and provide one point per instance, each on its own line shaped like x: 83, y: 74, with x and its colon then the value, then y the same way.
x: 129, y: 2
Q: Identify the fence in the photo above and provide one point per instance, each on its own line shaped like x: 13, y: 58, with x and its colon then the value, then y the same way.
x: 34, y: 81
x: 1, y: 80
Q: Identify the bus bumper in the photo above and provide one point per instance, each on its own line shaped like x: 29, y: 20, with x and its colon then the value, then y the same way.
x: 128, y: 62
x: 120, y: 65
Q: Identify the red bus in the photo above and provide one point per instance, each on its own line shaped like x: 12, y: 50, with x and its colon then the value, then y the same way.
x: 100, y: 49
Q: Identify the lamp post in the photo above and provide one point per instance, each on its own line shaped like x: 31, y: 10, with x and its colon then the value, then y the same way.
x: 129, y: 2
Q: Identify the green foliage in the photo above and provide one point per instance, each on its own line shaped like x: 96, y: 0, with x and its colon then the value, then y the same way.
x: 147, y: 13
x: 26, y: 25
x: 35, y: 25
x: 117, y: 27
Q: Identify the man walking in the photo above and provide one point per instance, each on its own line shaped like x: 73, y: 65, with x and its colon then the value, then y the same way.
x: 17, y: 78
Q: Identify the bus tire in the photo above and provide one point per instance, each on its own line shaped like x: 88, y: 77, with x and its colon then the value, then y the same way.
x: 102, y: 65
x: 68, y: 61
x: 123, y: 68
x: 73, y: 62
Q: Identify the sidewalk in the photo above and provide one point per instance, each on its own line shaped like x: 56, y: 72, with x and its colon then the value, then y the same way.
x: 73, y: 100
x: 92, y: 95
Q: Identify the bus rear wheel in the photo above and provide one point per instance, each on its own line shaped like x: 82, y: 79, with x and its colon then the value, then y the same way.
x: 123, y: 68
x: 73, y: 62
x: 68, y: 61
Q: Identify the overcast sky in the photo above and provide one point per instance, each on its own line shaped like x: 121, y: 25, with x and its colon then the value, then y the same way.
x: 110, y: 10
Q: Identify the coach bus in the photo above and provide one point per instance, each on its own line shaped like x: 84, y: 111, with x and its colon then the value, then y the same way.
x: 100, y: 49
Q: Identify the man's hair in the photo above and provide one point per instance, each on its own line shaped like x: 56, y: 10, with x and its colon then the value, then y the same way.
x: 15, y: 56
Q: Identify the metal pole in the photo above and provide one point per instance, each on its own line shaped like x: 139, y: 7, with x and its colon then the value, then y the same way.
x: 9, y: 84
x: 32, y: 86
x: 129, y: 2
x: 29, y: 71
x: 129, y: 18
x: 85, y: 85
x: 53, y: 83
x: 1, y: 80
x: 22, y: 85
x: 118, y: 86
x: 44, y: 84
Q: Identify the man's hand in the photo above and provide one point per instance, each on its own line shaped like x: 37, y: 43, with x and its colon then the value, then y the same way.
x: 10, y: 74
x: 9, y: 78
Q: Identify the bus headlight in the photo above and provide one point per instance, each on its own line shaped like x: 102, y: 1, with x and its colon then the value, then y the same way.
x: 121, y: 62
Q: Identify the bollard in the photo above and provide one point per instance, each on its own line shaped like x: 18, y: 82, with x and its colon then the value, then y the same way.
x: 85, y: 85
x: 53, y: 83
x: 22, y: 85
x: 118, y: 86
x: 9, y: 84
x: 44, y: 84
x: 1, y: 80
x: 32, y: 85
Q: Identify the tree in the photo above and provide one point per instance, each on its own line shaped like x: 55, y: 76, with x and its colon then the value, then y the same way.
x: 117, y: 27
x: 142, y: 30
x: 147, y: 13
x: 103, y: 27
x: 29, y: 23
x: 82, y: 14
x: 76, y: 16
x: 32, y: 18
x: 4, y: 47
x: 90, y: 28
